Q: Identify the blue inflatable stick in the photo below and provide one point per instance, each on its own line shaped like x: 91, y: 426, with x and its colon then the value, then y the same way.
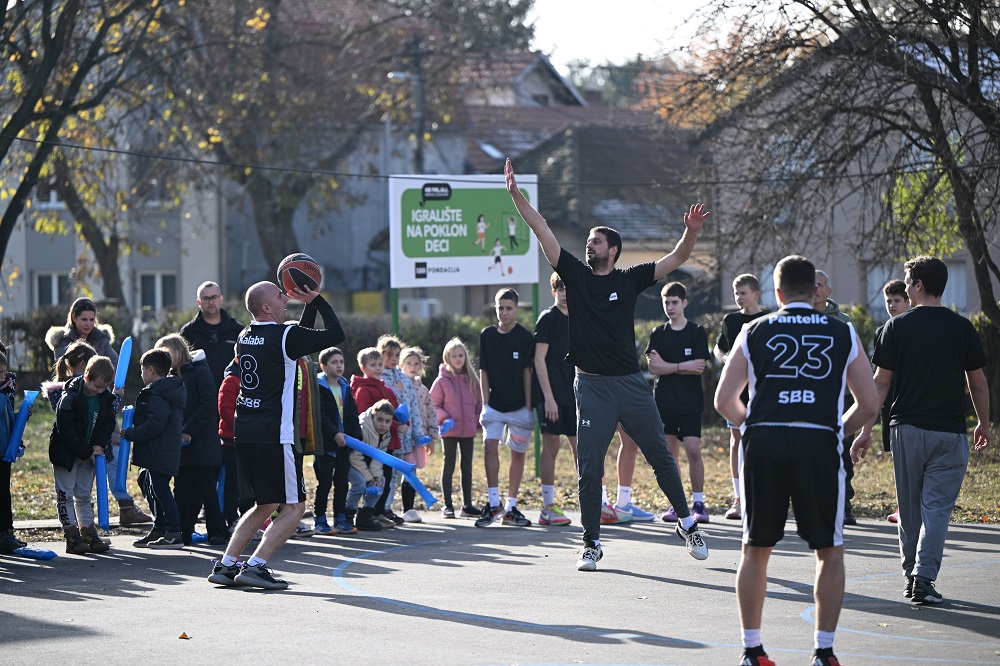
x: 391, y: 461
x: 34, y: 553
x: 373, y: 490
x: 124, y: 356
x: 101, y: 470
x: 447, y: 425
x: 221, y: 487
x: 124, y: 450
x: 402, y: 414
x: 423, y: 441
x: 14, y: 451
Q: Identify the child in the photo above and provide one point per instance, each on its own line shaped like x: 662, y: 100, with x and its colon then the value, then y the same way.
x: 457, y: 396
x: 406, y: 394
x: 367, y: 390
x: 676, y: 354
x: 8, y: 542
x: 338, y: 417
x: 196, y: 480
x: 156, y: 435
x: 85, y: 419
x: 746, y: 293
x: 366, y: 474
x: 412, y: 363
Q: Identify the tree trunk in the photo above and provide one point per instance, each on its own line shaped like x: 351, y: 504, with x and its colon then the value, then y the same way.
x: 273, y: 221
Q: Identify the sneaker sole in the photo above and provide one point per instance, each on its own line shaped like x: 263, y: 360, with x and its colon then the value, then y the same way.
x: 551, y: 523
x: 253, y: 581
x: 222, y: 579
x: 586, y: 566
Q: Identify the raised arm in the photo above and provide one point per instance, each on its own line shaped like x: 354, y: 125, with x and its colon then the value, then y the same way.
x: 539, y: 227
x: 693, y: 221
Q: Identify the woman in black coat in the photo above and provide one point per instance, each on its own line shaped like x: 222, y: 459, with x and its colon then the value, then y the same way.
x: 196, y: 483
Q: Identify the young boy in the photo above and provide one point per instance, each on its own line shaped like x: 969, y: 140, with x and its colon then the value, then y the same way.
x: 368, y: 389
x: 85, y: 419
x: 367, y: 474
x: 746, y: 293
x: 8, y: 542
x: 896, y: 303
x: 156, y: 437
x: 676, y: 354
x: 506, y: 355
x: 553, y: 392
x: 338, y: 417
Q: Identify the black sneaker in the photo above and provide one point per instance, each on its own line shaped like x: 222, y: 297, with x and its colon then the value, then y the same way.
x: 908, y: 588
x: 924, y: 592
x: 469, y: 511
x: 448, y: 512
x: 169, y: 541
x: 259, y: 576
x: 824, y: 657
x: 393, y: 517
x: 367, y: 522
x: 153, y: 535
x: 755, y: 656
x: 515, y: 518
x: 489, y: 515
x: 9, y: 543
x: 223, y: 575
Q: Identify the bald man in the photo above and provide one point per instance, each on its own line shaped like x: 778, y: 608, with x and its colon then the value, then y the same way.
x: 269, y: 468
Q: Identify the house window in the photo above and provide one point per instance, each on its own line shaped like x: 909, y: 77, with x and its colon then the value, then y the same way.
x: 46, y: 196
x: 157, y: 291
x: 52, y: 289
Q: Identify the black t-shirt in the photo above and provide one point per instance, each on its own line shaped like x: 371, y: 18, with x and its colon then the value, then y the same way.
x: 504, y: 356
x: 929, y: 350
x: 677, y: 394
x: 732, y: 324
x: 797, y: 362
x: 552, y: 328
x: 602, y: 309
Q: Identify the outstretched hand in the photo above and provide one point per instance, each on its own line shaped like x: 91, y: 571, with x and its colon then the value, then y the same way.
x: 508, y: 172
x: 694, y: 219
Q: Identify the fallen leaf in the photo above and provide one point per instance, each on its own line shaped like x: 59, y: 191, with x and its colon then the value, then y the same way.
x: 642, y: 597
x: 884, y: 624
x: 184, y: 636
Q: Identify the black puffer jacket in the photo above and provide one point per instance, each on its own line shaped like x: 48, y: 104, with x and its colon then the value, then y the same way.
x: 201, y: 414
x: 67, y: 442
x: 156, y: 433
x: 218, y: 341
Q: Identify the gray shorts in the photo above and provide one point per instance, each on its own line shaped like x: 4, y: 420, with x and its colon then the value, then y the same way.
x: 518, y: 425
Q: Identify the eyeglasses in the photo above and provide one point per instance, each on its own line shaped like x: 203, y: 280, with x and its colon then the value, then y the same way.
x: 211, y: 298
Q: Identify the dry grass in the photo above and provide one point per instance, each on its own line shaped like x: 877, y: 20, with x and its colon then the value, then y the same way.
x: 34, y: 495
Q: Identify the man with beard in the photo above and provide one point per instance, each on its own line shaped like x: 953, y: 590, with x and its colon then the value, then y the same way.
x: 609, y: 384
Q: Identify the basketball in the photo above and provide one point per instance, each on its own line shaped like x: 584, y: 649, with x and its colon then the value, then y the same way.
x: 299, y: 270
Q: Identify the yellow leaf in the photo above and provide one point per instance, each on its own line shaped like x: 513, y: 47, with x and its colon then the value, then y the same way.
x: 184, y: 636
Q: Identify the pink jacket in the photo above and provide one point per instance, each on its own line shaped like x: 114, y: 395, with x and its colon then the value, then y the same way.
x: 453, y: 399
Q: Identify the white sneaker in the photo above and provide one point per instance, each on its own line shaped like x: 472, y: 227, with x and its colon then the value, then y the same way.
x: 696, y: 546
x: 589, y: 558
x: 412, y: 516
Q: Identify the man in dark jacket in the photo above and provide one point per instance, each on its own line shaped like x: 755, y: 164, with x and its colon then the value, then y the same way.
x: 213, y: 331
x: 156, y: 434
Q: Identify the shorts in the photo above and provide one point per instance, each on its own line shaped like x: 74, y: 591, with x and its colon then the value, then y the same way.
x: 565, y: 425
x: 685, y: 425
x: 778, y: 463
x: 518, y: 424
x: 270, y: 473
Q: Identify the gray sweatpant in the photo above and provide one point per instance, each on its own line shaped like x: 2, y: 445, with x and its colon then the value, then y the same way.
x: 601, y: 404
x: 74, y: 502
x: 929, y: 467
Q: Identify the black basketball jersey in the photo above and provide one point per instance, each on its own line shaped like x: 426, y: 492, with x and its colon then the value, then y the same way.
x: 265, y: 404
x: 797, y: 367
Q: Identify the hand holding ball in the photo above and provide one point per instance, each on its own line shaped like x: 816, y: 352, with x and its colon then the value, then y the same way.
x: 299, y: 271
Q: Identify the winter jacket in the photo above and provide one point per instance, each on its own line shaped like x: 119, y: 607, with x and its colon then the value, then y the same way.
x: 370, y: 469
x: 330, y: 418
x: 228, y: 393
x: 66, y: 442
x: 218, y: 341
x: 156, y: 430
x: 58, y: 338
x: 201, y: 414
x: 453, y: 399
x: 6, y: 421
x: 406, y: 394
x: 369, y: 391
x: 833, y: 310
x: 427, y: 412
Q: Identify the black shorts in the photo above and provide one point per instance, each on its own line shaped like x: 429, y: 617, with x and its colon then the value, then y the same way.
x: 565, y: 425
x: 782, y: 463
x: 270, y: 473
x: 685, y: 425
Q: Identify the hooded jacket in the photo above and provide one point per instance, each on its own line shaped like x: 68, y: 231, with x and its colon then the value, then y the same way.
x: 453, y: 399
x: 67, y: 442
x: 156, y: 430
x: 218, y: 341
x: 369, y: 391
x: 368, y: 467
x: 58, y: 338
x: 833, y: 310
x: 201, y: 414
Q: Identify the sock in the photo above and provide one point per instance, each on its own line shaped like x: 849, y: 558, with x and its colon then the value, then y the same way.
x: 699, y: 497
x: 511, y: 503
x: 255, y: 561
x: 604, y: 495
x: 687, y: 522
x: 548, y: 495
x: 736, y: 487
x: 624, y: 496
x: 824, y: 639
x: 228, y: 560
x: 751, y: 637
x: 494, y: 495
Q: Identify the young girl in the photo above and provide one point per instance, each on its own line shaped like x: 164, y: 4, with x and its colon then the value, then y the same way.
x: 412, y: 362
x: 402, y: 386
x: 456, y: 395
